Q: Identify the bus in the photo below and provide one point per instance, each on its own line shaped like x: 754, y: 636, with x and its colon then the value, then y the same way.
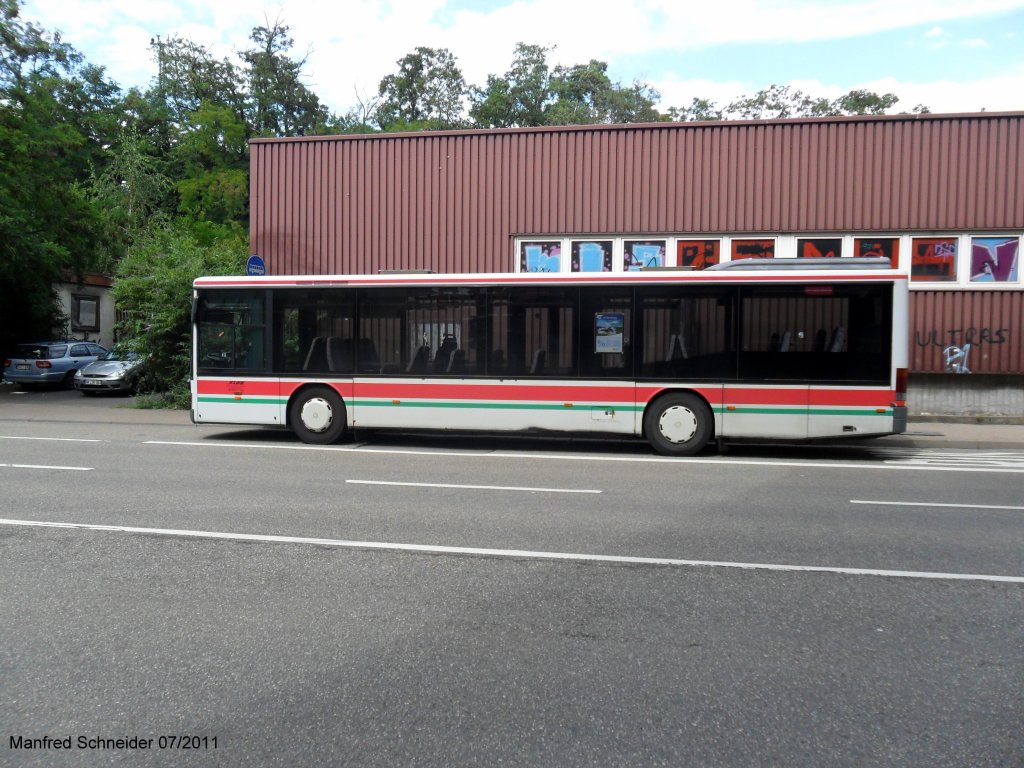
x: 758, y: 349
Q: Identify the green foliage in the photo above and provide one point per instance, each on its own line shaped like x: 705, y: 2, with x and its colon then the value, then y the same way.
x: 426, y: 93
x: 153, y: 288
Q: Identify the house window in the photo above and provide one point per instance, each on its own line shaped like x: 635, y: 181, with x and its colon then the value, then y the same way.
x: 540, y: 256
x: 697, y: 254
x: 819, y: 247
x: 591, y: 255
x: 637, y: 254
x: 887, y: 247
x: 85, y: 313
x: 933, y: 259
x: 753, y: 249
x: 995, y: 259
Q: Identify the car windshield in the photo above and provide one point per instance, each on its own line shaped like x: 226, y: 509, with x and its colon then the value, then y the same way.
x: 41, y: 351
x: 124, y: 355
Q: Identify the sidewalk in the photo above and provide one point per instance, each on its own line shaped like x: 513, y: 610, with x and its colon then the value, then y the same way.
x: 942, y: 435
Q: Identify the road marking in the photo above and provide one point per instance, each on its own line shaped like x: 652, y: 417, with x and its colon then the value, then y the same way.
x: 517, y: 554
x: 44, y: 466
x: 474, y: 487
x: 58, y: 439
x: 933, y: 504
x: 822, y: 464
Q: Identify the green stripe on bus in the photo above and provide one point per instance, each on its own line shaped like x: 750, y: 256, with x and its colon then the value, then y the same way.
x: 504, y: 406
x: 798, y: 411
x: 231, y: 399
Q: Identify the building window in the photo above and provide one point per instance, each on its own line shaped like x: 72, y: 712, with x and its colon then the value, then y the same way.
x: 591, y: 255
x: 819, y: 247
x: 637, y: 254
x: 994, y: 259
x: 887, y: 247
x: 933, y: 259
x: 697, y: 254
x: 85, y: 313
x: 753, y: 249
x: 540, y: 256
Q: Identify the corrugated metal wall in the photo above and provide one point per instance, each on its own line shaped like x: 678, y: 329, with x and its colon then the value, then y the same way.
x: 453, y: 201
x: 991, y: 322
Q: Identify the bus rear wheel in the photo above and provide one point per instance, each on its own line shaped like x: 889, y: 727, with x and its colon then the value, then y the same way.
x: 678, y: 424
x: 317, y: 415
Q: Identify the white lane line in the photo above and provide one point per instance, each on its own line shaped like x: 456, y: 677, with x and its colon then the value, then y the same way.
x: 823, y: 464
x: 474, y: 487
x: 55, y: 439
x: 933, y: 504
x: 518, y: 554
x: 44, y: 466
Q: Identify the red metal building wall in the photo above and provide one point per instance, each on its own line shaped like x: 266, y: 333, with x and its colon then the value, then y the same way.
x: 991, y: 322
x: 453, y: 201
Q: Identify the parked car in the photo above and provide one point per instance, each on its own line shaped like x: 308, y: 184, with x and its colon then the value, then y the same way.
x: 117, y: 371
x: 50, y: 362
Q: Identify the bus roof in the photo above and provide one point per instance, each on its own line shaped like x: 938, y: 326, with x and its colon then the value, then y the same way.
x: 757, y: 271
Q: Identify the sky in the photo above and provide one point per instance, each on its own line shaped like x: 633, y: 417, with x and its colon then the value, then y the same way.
x: 949, y: 55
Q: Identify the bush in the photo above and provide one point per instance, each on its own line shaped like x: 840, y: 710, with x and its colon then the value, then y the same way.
x: 153, y: 290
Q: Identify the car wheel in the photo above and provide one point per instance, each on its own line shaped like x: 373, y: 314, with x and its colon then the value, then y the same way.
x: 69, y: 380
x: 678, y: 424
x: 317, y: 415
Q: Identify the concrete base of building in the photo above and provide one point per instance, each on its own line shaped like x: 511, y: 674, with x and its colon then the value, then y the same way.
x: 966, y: 398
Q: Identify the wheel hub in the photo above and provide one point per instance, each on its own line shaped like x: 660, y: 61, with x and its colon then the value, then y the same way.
x: 317, y: 414
x: 678, y: 424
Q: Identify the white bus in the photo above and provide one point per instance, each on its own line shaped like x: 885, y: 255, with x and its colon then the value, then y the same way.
x: 791, y: 349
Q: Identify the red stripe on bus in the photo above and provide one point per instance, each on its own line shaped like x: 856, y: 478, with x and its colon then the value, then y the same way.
x: 642, y: 393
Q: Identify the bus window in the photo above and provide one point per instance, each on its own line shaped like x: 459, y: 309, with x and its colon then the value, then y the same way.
x: 606, y: 350
x: 686, y: 333
x: 423, y: 331
x: 231, y: 331
x: 313, y: 331
x: 533, y: 331
x: 807, y: 333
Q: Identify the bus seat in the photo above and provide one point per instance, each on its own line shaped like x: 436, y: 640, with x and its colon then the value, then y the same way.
x: 420, y: 360
x: 442, y: 360
x: 820, y: 340
x: 838, y: 340
x: 458, y: 362
x: 539, y: 361
x: 676, y: 348
x: 339, y: 354
x: 366, y: 353
x: 787, y: 338
x: 316, y: 358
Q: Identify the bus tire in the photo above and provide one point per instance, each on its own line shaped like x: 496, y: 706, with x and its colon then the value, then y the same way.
x: 678, y: 424
x: 317, y: 415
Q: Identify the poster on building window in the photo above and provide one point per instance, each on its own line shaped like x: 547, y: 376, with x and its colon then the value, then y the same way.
x: 609, y: 329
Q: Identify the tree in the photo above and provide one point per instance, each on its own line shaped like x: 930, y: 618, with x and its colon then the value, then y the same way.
x: 280, y: 104
x: 427, y: 93
x: 584, y: 94
x: 49, y: 141
x: 520, y: 97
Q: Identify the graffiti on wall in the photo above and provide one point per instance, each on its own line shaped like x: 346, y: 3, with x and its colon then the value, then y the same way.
x: 956, y: 343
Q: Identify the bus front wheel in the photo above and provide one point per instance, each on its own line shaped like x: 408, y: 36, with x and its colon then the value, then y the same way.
x: 317, y: 415
x: 678, y: 424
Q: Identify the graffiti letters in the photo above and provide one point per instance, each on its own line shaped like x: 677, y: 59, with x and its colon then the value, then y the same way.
x: 961, y: 337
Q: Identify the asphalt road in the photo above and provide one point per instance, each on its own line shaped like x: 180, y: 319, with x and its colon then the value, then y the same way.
x: 454, y: 601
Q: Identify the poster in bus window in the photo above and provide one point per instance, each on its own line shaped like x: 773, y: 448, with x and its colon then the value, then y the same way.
x: 753, y: 249
x: 933, y: 259
x: 885, y: 247
x: 540, y: 257
x: 591, y: 255
x: 994, y: 259
x: 609, y: 330
x: 638, y: 254
x: 697, y: 254
x: 819, y: 247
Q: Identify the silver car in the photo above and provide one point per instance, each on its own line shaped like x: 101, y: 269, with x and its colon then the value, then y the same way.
x: 117, y: 371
